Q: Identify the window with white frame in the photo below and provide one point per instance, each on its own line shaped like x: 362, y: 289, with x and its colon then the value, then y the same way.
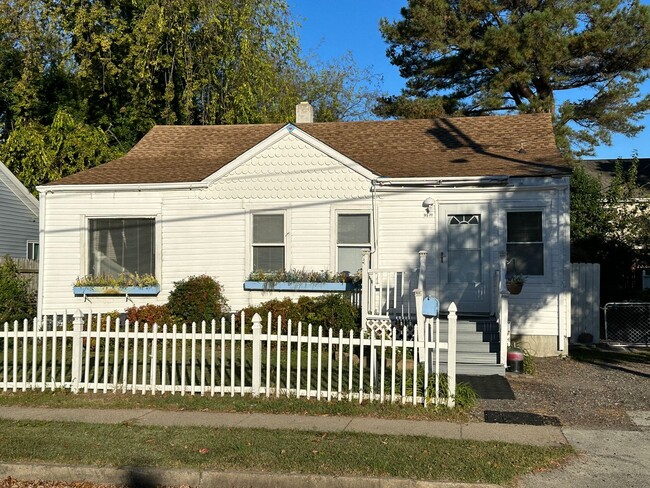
x: 268, y: 242
x: 32, y: 250
x: 117, y: 246
x: 352, y: 237
x: 525, y: 243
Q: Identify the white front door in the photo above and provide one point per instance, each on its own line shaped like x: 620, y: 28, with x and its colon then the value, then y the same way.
x: 463, y: 258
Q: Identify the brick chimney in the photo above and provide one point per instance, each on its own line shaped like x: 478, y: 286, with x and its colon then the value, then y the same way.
x: 304, y: 113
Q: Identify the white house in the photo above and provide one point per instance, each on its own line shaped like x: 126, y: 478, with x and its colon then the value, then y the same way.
x: 18, y: 218
x: 226, y: 200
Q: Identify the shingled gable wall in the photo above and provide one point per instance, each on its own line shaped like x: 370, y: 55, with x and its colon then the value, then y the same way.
x: 208, y: 230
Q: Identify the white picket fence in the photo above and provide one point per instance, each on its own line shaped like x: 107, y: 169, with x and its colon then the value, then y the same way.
x: 223, y: 359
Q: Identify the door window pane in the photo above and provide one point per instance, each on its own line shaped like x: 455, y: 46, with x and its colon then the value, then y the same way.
x: 464, y: 248
x: 121, y: 246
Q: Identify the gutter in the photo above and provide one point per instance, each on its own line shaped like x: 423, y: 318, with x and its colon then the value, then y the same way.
x: 124, y: 187
x: 443, y: 181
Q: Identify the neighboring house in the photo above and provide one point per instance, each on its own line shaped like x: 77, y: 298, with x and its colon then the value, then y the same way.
x: 18, y: 218
x: 226, y: 200
x: 604, y: 170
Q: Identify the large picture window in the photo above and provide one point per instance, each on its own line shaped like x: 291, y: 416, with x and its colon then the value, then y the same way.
x: 119, y: 246
x: 268, y: 242
x: 353, y: 236
x: 525, y: 246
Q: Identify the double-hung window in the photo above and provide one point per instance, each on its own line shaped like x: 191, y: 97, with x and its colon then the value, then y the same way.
x: 352, y: 237
x: 119, y: 246
x: 268, y: 242
x: 525, y: 246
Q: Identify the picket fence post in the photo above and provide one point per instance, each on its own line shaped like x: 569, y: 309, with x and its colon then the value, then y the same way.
x: 452, y: 319
x: 77, y: 327
x: 257, y: 354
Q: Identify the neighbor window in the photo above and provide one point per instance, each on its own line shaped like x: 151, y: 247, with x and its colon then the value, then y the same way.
x: 268, y: 242
x: 525, y: 246
x: 353, y: 236
x: 119, y: 246
x: 32, y: 250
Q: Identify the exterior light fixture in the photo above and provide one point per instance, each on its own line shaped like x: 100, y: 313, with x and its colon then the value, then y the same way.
x: 428, y: 205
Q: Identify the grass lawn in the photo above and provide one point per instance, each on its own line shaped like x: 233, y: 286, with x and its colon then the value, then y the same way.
x: 350, y: 454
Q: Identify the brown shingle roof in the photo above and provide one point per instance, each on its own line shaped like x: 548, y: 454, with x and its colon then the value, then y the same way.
x: 521, y: 145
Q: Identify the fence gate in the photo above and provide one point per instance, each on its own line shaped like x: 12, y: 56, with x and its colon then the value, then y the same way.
x: 628, y: 322
x: 585, y: 300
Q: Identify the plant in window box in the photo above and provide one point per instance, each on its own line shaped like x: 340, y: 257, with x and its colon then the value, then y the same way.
x: 123, y: 284
x: 302, y: 280
x: 515, y: 283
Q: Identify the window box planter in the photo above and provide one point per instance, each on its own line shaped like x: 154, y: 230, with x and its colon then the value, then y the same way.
x: 116, y: 290
x: 298, y: 286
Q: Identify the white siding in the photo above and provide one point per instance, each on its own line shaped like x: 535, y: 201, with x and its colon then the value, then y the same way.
x: 18, y: 216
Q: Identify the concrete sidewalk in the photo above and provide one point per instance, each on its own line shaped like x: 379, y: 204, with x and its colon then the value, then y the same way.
x: 519, y: 434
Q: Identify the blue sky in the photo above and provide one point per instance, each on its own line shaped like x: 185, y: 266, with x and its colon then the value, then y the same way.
x: 331, y: 28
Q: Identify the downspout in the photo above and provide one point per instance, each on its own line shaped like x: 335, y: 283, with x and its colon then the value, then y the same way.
x: 42, y: 212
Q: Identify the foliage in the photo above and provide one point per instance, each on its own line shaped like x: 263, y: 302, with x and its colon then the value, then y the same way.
x: 304, y: 276
x: 478, y: 57
x: 150, y: 314
x: 465, y: 396
x: 516, y: 279
x: 197, y: 298
x: 121, y: 281
x: 38, y: 154
x: 610, y: 226
x: 333, y: 310
x: 16, y: 303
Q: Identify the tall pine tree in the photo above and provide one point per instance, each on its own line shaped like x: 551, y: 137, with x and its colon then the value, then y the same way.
x: 481, y: 56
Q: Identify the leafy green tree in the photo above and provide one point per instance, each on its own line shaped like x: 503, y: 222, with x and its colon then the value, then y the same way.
x: 477, y: 56
x: 38, y: 154
x: 16, y: 302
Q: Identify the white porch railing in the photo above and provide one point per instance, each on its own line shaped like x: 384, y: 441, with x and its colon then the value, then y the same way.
x: 93, y: 354
x: 502, y: 310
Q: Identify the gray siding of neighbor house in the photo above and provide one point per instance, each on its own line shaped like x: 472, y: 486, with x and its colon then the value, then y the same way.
x: 18, y: 216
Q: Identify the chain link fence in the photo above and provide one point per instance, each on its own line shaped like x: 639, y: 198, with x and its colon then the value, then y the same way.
x: 627, y: 322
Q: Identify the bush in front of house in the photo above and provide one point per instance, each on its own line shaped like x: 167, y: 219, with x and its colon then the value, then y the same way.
x: 16, y: 302
x: 334, y: 311
x: 197, y: 298
x: 150, y: 314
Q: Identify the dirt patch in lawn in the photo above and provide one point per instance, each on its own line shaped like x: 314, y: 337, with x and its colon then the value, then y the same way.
x: 593, y: 387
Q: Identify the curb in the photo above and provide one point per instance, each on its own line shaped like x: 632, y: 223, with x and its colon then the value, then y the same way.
x: 139, y: 477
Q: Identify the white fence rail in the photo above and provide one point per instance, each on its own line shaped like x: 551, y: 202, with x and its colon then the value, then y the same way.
x: 94, y: 354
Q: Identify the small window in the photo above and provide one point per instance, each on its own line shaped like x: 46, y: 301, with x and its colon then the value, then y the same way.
x: 32, y: 250
x: 268, y: 242
x: 119, y: 246
x: 353, y: 236
x: 525, y: 246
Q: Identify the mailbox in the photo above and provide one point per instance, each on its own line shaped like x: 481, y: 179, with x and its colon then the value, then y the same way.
x: 430, y: 307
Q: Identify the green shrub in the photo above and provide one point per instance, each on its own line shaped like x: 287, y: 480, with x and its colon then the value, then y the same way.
x: 150, y: 314
x: 16, y: 302
x: 197, y: 298
x: 334, y: 311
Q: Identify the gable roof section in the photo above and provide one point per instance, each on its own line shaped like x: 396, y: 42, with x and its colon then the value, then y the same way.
x: 10, y: 181
x: 521, y: 145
